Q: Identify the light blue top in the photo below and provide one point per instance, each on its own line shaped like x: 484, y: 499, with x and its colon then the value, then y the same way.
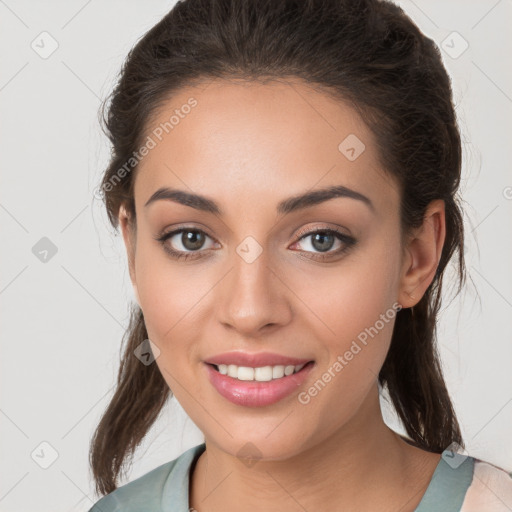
x: 166, y: 488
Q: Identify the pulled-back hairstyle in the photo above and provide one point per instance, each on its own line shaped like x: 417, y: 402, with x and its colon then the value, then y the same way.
x: 365, y: 52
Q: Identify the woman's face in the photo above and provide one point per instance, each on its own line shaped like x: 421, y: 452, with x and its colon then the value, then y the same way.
x: 257, y: 278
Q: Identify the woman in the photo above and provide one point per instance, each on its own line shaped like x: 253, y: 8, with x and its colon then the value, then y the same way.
x: 285, y: 176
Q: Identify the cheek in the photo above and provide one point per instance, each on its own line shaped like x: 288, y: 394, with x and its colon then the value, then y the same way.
x: 359, y: 289
x: 355, y: 325
x: 355, y: 331
x: 167, y: 290
x: 171, y: 301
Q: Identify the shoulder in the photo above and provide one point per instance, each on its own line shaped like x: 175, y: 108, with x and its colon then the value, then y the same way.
x: 490, y: 489
x: 144, y: 490
x: 146, y: 493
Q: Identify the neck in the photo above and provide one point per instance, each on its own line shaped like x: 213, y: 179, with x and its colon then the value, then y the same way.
x: 362, y: 466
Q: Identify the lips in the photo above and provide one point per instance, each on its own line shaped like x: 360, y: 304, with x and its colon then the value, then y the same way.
x: 257, y: 394
x: 255, y: 360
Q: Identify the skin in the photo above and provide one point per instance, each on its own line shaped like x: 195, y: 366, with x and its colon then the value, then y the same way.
x: 248, y: 146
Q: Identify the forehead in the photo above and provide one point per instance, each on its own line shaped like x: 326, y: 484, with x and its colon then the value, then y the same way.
x: 243, y: 141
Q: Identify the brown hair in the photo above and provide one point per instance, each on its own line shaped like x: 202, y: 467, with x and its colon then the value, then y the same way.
x: 366, y: 52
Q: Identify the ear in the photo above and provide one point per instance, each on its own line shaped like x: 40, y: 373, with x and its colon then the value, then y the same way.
x: 422, y: 255
x: 128, y: 230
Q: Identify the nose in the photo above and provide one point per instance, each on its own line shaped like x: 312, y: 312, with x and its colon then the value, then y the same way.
x: 253, y: 297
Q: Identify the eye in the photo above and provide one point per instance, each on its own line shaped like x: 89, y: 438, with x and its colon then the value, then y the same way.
x: 323, y: 239
x: 184, y: 242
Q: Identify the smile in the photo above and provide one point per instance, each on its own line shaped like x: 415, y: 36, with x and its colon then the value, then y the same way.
x: 259, y: 386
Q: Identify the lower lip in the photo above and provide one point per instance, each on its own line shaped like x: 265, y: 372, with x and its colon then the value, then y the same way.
x: 254, y: 393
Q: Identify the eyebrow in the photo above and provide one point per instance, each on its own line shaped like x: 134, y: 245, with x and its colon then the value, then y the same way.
x: 289, y: 205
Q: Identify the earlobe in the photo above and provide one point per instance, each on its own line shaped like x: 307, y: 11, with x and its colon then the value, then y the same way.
x: 423, y: 254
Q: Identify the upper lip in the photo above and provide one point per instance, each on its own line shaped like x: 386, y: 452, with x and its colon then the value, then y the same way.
x: 255, y: 360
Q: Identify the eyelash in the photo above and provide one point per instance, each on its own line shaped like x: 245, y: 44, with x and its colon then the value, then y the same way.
x: 348, y: 241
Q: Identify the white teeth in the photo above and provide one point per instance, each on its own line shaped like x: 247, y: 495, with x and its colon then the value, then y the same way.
x: 263, y: 373
x: 277, y: 372
x: 245, y: 373
x: 260, y: 374
x: 288, y: 370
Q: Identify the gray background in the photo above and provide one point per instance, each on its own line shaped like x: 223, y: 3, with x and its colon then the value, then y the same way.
x: 63, y: 318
